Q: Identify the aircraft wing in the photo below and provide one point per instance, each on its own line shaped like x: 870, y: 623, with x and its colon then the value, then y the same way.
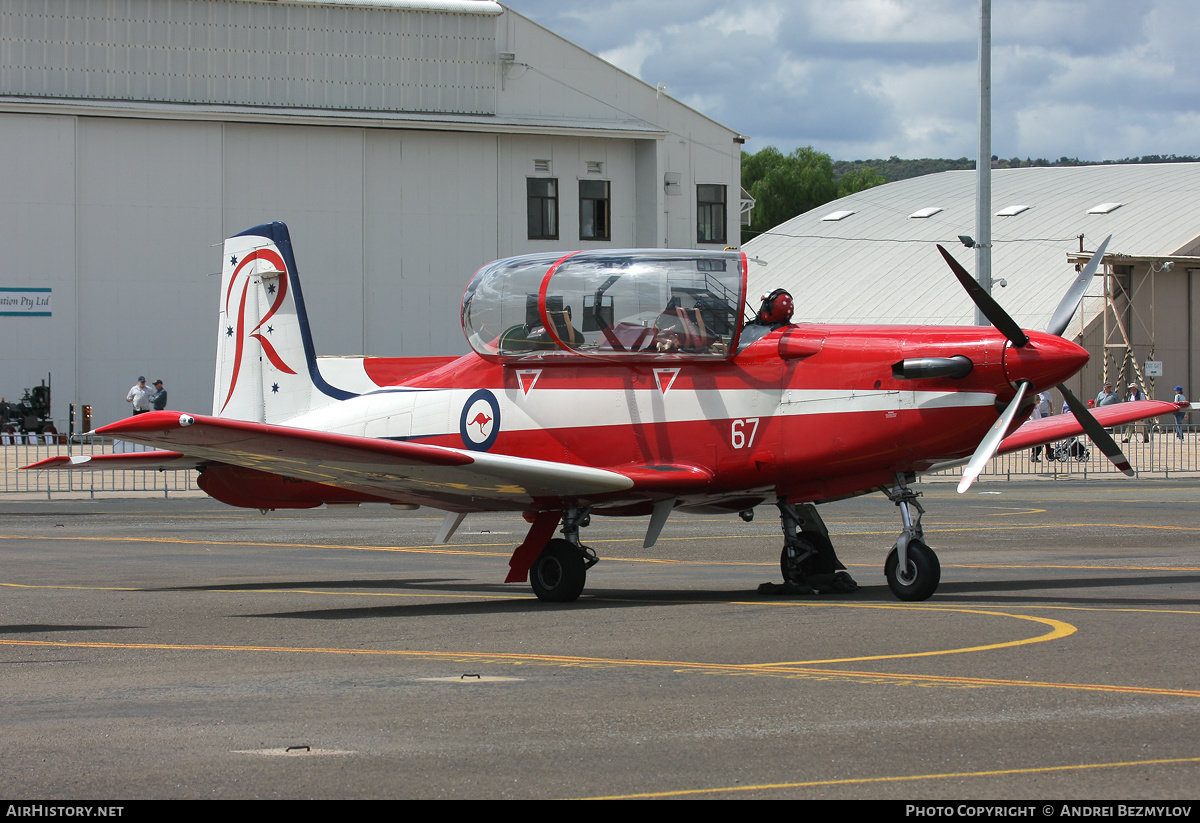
x: 457, y: 479
x: 1062, y: 426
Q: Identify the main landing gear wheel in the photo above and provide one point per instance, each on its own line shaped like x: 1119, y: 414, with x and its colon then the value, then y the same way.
x: 921, y: 575
x: 560, y: 571
x: 808, y: 543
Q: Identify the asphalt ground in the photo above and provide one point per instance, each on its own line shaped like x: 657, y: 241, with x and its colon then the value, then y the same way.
x: 176, y: 649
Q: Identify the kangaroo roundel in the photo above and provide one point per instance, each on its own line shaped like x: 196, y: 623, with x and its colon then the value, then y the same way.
x: 479, y: 424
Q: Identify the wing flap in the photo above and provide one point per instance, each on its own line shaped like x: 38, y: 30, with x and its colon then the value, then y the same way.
x: 392, y: 469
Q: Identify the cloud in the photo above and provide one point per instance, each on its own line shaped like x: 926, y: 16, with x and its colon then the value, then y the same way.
x: 1096, y: 79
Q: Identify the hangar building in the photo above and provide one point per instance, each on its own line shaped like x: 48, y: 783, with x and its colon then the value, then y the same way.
x: 871, y: 258
x: 404, y: 142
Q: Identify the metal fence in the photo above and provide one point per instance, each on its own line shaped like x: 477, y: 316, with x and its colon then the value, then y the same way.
x: 72, y: 483
x: 1153, y: 450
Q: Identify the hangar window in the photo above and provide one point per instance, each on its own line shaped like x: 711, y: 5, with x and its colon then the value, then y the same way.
x: 594, y: 210
x: 543, y: 207
x: 710, y: 213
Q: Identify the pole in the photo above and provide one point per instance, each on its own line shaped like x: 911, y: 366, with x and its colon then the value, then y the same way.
x: 983, y: 160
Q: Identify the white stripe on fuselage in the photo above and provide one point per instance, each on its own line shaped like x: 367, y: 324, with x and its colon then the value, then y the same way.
x: 432, y: 412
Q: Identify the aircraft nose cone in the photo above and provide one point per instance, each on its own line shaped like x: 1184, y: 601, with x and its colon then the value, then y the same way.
x: 1045, y: 361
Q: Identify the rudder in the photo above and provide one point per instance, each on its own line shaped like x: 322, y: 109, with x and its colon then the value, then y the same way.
x: 266, y: 366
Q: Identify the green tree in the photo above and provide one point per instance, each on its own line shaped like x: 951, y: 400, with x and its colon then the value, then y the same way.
x: 786, y: 185
x: 859, y: 180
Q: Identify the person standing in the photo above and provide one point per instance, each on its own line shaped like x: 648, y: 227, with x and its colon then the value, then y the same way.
x: 1108, y: 396
x: 1179, y: 398
x: 1040, y: 410
x: 1131, y: 396
x: 159, y: 398
x: 139, y: 396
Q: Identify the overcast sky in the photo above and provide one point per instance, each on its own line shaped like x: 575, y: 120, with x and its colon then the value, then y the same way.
x: 860, y: 79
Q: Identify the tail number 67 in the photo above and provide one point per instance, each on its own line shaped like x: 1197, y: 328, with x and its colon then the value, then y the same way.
x: 741, y: 435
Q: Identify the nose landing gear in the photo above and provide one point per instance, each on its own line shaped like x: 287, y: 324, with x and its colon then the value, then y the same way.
x: 912, y: 569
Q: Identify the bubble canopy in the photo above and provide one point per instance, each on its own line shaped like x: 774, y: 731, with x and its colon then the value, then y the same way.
x: 612, y: 304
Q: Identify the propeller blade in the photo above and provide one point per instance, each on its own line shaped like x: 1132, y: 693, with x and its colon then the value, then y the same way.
x: 990, y: 308
x: 987, y: 447
x: 1070, y: 302
x: 1096, y: 432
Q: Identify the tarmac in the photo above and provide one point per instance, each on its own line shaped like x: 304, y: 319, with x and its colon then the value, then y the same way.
x: 179, y: 648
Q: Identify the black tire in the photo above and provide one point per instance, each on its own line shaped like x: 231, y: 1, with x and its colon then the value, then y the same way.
x: 558, y: 575
x: 922, y: 575
x: 819, y: 542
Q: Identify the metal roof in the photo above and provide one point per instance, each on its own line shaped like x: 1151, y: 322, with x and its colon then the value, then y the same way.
x: 879, y: 265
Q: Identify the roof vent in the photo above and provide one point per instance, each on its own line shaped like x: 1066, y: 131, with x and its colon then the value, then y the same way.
x: 1012, y: 211
x: 834, y: 216
x: 929, y: 212
x: 1105, y: 208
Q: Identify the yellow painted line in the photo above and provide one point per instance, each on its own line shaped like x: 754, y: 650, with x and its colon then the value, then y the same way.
x: 1058, y: 629
x: 1114, y: 609
x: 1018, y: 511
x: 942, y: 528
x: 849, y: 781
x: 471, y: 550
x: 435, y: 549
x: 80, y: 588
x: 746, y: 669
x: 1074, y: 566
x: 948, y: 680
x: 518, y: 594
x: 239, y: 588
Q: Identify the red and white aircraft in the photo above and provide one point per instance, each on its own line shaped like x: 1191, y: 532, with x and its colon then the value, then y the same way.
x: 623, y: 383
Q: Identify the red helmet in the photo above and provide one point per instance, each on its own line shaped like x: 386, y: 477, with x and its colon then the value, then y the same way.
x: 777, y: 307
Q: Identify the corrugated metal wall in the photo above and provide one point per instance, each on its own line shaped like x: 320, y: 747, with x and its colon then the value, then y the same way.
x: 238, y: 53
x: 122, y: 219
x: 115, y: 208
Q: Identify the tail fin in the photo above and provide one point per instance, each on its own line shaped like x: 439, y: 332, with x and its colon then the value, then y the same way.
x: 266, y: 366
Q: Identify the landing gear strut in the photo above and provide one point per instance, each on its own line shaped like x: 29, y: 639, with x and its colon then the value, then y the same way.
x: 912, y: 569
x: 560, y: 571
x: 808, y: 558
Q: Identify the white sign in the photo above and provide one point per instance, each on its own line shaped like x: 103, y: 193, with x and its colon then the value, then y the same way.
x: 28, y: 302
x: 1154, y: 368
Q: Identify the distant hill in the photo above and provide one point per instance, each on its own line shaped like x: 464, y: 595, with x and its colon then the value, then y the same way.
x: 895, y: 169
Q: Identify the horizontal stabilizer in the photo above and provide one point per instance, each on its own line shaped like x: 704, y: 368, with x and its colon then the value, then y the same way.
x: 152, y: 460
x: 1062, y: 426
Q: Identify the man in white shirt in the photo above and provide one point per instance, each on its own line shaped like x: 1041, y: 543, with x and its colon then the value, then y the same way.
x: 139, y: 396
